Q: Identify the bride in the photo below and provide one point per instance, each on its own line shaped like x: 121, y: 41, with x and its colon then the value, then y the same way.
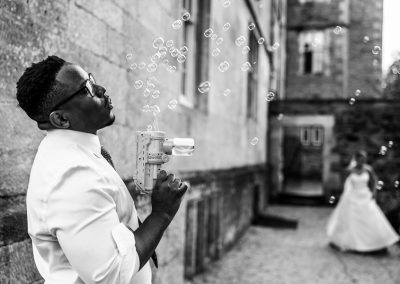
x: 357, y: 223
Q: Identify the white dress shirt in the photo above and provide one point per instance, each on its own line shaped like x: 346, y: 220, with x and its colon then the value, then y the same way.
x: 78, y: 212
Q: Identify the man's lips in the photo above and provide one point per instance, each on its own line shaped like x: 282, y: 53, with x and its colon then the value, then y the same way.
x: 108, y: 104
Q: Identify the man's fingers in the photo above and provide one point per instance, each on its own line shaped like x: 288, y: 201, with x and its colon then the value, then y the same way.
x: 183, y: 188
x: 175, y: 184
x: 161, y: 177
x: 170, y: 179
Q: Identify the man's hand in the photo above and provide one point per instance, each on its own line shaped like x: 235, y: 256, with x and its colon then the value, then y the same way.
x: 167, y: 194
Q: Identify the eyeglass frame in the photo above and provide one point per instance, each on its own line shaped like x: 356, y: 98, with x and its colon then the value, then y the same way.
x: 90, y: 80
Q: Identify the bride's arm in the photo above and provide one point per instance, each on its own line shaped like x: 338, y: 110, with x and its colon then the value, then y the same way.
x: 372, y: 183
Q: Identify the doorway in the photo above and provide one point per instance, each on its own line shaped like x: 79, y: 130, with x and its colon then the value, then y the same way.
x: 303, y: 163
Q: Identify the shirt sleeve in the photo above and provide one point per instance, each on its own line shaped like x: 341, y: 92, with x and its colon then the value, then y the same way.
x: 83, y: 216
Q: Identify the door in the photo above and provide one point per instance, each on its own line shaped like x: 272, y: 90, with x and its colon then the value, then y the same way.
x: 303, y: 160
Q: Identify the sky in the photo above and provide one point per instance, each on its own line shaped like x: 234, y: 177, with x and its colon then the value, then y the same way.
x: 391, y: 34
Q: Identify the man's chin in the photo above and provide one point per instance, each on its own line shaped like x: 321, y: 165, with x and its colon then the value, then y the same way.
x: 112, y: 119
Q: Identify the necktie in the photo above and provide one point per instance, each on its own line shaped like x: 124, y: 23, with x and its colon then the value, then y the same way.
x: 107, y: 156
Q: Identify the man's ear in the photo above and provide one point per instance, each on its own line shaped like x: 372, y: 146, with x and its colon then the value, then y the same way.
x: 59, y: 119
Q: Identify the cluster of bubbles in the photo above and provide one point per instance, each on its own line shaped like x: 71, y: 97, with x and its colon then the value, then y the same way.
x: 352, y: 100
x: 177, y: 24
x: 379, y: 185
x: 383, y: 150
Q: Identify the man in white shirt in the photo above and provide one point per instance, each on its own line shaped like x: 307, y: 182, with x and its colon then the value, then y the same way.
x: 81, y: 217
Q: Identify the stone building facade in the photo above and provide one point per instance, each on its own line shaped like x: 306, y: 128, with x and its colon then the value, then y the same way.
x: 333, y: 65
x: 113, y: 40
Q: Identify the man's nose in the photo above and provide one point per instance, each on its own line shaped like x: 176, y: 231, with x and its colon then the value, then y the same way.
x: 100, y: 91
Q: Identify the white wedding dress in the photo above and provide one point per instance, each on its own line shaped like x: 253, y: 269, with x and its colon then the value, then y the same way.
x: 357, y: 223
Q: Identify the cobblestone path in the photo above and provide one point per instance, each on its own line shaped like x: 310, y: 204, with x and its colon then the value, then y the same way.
x: 300, y: 256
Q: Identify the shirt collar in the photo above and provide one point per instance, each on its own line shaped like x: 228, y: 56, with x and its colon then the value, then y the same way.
x: 87, y: 140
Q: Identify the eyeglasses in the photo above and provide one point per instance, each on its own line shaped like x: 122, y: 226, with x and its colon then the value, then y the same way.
x: 88, y: 85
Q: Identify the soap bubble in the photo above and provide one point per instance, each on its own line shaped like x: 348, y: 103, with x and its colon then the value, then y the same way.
x: 379, y: 185
x: 133, y: 66
x: 226, y: 92
x: 216, y: 51
x: 146, y: 108
x: 146, y: 92
x: 332, y: 199
x: 138, y: 84
x: 246, y: 66
x: 226, y: 26
x: 158, y: 42
x: 226, y: 3
x: 155, y: 57
x: 251, y: 26
x: 177, y: 24
x: 280, y: 116
x: 204, y: 87
x: 171, y: 68
x: 174, y: 52
x: 172, y: 104
x: 366, y: 39
x: 275, y: 46
x: 169, y: 43
x: 223, y: 66
x: 142, y: 65
x: 337, y: 30
x: 208, y: 32
x: 376, y: 50
x: 155, y: 109
x: 151, y: 67
x: 254, y: 141
x: 183, y: 49
x: 245, y: 49
x: 181, y: 58
x: 149, y: 127
x: 129, y: 56
x: 383, y: 150
x: 357, y: 93
x: 214, y: 36
x: 219, y: 41
x: 270, y: 96
x: 240, y: 40
x: 390, y: 144
x: 396, y: 184
x: 352, y: 101
x: 186, y: 16
x: 155, y: 94
x: 261, y: 40
x: 162, y: 49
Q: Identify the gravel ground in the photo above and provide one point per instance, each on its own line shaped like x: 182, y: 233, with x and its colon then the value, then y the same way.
x: 302, y: 255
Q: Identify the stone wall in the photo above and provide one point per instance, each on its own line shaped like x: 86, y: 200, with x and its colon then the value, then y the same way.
x: 98, y: 35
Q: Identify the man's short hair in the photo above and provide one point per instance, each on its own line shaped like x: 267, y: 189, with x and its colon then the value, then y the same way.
x: 37, y: 88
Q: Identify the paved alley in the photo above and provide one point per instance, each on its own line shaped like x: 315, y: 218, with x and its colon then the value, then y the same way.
x: 293, y: 256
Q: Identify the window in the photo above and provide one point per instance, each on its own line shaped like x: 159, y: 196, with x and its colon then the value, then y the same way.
x: 252, y: 77
x: 314, y: 52
x: 311, y: 135
x: 202, y: 51
x: 188, y: 86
